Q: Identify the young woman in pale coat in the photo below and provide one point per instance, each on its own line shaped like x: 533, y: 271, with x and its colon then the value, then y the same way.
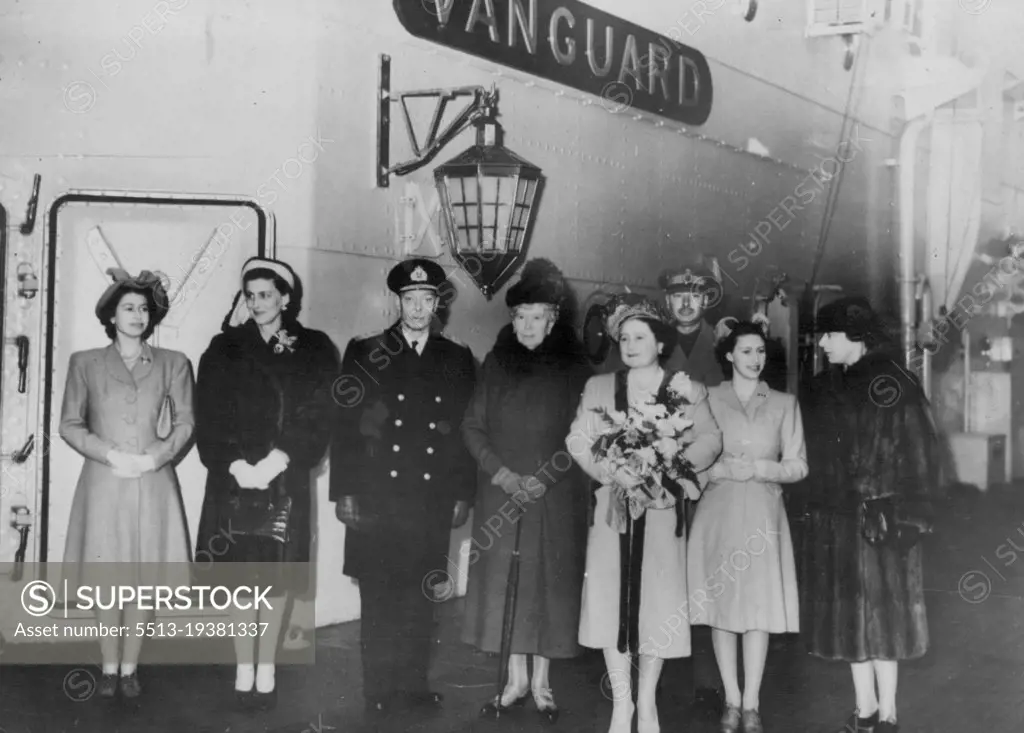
x: 128, y: 411
x: 643, y: 618
x: 742, y: 574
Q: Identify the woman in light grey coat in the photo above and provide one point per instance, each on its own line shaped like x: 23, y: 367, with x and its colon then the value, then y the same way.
x: 128, y: 411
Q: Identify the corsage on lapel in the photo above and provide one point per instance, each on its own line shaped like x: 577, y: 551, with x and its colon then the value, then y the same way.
x: 283, y: 340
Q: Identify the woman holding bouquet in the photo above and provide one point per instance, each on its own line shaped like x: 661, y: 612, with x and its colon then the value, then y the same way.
x: 646, y: 435
x: 514, y: 428
x: 741, y: 570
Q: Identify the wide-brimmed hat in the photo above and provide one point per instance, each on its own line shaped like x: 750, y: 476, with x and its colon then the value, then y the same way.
x: 626, y: 306
x: 145, y: 280
x: 540, y: 282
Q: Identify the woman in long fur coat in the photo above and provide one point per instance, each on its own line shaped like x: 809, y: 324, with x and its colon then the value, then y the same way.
x: 873, y: 465
x: 515, y: 429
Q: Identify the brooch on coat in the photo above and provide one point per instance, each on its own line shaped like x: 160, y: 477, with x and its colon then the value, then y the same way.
x: 284, y: 341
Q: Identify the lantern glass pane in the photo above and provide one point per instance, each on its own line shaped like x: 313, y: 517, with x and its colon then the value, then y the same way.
x: 496, y: 204
x: 525, y: 192
x: 468, y: 214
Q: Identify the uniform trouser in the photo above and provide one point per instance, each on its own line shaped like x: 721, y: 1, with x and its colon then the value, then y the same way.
x: 396, y: 636
x: 705, y: 666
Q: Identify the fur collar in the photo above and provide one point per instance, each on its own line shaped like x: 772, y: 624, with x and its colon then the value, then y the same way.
x: 560, y: 351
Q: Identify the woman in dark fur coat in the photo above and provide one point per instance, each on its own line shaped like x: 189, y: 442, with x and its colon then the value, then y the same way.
x: 515, y: 428
x: 263, y: 406
x: 873, y: 456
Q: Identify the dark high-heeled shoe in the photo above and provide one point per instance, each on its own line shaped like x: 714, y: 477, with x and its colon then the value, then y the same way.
x: 130, y: 687
x: 752, y: 722
x: 264, y: 701
x: 498, y: 706
x: 545, y: 703
x: 857, y: 724
x: 731, y: 720
x: 107, y: 687
x: 243, y: 700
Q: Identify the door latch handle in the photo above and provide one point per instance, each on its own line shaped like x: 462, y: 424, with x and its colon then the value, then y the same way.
x: 33, y: 203
x: 22, y: 343
x: 21, y: 520
x: 21, y: 455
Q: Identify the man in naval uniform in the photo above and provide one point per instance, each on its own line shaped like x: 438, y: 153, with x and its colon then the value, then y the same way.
x: 401, y: 479
x: 688, y: 292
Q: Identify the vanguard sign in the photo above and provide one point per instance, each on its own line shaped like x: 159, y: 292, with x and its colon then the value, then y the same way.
x: 581, y: 47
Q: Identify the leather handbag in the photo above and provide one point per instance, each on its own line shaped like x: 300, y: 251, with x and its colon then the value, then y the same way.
x: 258, y: 514
x: 264, y: 513
x: 165, y: 420
x: 881, y: 525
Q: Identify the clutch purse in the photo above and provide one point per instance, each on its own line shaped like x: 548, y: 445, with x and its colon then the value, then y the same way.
x: 881, y: 527
x: 256, y: 514
x: 165, y: 421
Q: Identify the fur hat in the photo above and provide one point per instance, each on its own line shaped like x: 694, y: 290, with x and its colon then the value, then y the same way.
x: 540, y: 282
x: 852, y: 315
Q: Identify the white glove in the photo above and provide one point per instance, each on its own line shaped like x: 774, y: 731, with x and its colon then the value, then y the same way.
x: 145, y: 462
x: 123, y: 464
x: 533, y: 487
x: 272, y: 466
x: 507, y: 479
x: 733, y: 468
x: 246, y: 475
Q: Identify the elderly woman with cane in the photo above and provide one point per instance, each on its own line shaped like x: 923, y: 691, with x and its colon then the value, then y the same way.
x: 646, y: 435
x: 514, y: 428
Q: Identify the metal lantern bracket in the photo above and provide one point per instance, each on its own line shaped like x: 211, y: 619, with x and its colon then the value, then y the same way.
x: 483, y: 104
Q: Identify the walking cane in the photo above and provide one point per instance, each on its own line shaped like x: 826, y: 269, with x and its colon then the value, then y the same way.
x: 494, y: 708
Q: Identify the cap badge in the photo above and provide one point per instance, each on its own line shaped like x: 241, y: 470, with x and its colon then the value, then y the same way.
x: 686, y: 278
x: 419, y: 275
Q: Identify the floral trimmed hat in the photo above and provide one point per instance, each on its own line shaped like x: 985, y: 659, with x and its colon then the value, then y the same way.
x: 625, y: 306
x: 145, y: 280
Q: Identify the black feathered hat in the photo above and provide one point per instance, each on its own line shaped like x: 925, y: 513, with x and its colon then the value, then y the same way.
x: 540, y: 282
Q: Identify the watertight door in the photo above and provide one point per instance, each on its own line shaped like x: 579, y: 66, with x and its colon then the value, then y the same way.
x: 199, y: 243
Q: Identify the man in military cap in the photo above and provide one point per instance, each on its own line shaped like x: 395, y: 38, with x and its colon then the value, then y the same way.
x: 401, y: 478
x: 689, y: 291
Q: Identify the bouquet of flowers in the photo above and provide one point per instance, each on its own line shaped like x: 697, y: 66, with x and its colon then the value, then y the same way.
x: 648, y: 443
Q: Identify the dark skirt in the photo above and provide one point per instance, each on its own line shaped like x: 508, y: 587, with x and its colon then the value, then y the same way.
x: 268, y: 561
x: 858, y: 602
x: 551, y: 547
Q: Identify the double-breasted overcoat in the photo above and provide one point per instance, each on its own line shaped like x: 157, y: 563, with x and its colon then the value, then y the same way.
x: 397, y: 448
